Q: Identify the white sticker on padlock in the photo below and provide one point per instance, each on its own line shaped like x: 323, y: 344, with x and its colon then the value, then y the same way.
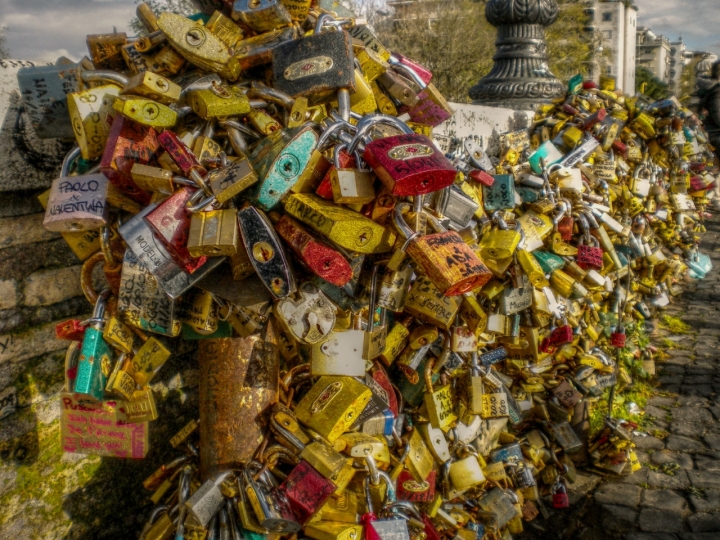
x: 464, y: 339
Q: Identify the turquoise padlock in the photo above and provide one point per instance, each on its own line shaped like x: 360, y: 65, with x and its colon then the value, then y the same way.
x: 95, y: 355
x: 279, y: 160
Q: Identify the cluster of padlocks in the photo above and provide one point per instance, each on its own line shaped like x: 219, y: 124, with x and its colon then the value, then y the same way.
x: 395, y: 341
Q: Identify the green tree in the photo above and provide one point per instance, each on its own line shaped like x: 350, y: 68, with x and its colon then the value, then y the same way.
x: 181, y: 7
x: 687, y: 81
x: 654, y: 87
x: 451, y: 38
x: 570, y: 47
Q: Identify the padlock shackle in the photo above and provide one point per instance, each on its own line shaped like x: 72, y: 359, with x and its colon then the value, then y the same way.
x: 273, y: 95
x: 428, y: 373
x: 402, y: 226
x: 104, y: 75
x: 68, y: 161
x: 367, y: 122
x: 407, y: 72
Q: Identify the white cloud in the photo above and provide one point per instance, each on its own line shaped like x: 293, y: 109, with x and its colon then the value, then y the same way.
x: 696, y: 21
x: 37, y: 30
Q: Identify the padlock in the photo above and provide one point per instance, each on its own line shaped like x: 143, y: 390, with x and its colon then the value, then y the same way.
x: 589, y: 256
x: 77, y: 203
x: 408, y: 164
x: 90, y: 131
x: 342, y: 226
x: 271, y: 511
x: 170, y: 222
x: 310, y: 319
x: 198, y: 45
x: 439, y: 402
x: 279, y: 160
x: 499, y: 243
x: 317, y: 66
x: 305, y: 491
x: 332, y: 405
x: 266, y: 252
x: 96, y: 355
x: 448, y: 261
x: 213, y: 234
x: 351, y: 186
x: 44, y: 91
x: 465, y: 472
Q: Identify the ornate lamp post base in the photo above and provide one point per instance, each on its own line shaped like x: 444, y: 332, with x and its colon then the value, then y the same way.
x: 520, y: 77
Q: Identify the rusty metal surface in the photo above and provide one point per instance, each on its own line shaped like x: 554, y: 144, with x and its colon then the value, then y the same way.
x: 239, y: 379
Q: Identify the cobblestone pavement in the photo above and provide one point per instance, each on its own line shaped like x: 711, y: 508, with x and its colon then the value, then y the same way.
x: 676, y: 496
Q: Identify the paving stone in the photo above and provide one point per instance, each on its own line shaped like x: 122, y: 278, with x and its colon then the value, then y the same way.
x: 691, y: 401
x: 713, y: 441
x: 704, y: 522
x: 692, y: 413
x: 704, y: 390
x: 648, y: 443
x: 687, y: 429
x: 707, y: 463
x: 678, y: 361
x: 698, y: 536
x: 617, y: 518
x: 705, y: 479
x: 660, y: 458
x: 651, y: 536
x: 678, y: 480
x: 652, y: 520
x: 636, y: 478
x: 683, y: 444
x: 656, y: 412
x: 709, y: 502
x: 701, y: 369
x: 695, y: 379
x: 621, y: 494
x: 663, y: 499
x: 661, y: 401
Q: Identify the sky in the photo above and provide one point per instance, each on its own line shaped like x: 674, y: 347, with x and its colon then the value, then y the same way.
x: 47, y: 29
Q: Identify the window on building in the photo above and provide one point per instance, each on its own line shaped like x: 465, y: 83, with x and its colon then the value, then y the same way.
x: 609, y: 70
x: 607, y: 34
x: 607, y: 16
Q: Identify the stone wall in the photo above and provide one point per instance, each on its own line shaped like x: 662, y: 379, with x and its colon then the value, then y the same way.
x: 44, y: 492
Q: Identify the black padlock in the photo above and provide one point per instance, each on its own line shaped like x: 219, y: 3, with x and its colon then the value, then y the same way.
x: 318, y: 66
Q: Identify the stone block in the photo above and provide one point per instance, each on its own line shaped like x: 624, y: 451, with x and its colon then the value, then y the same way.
x: 24, y: 230
x: 47, y: 287
x: 620, y: 494
x: 652, y: 520
x: 8, y: 293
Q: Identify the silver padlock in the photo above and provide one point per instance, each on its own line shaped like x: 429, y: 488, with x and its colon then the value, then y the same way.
x: 207, y: 500
x: 311, y: 318
x: 76, y: 203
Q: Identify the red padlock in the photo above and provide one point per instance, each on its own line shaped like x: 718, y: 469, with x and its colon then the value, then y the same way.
x: 171, y: 223
x: 71, y: 330
x: 560, y: 498
x: 305, y: 491
x: 561, y: 335
x: 324, y: 189
x: 565, y: 228
x: 409, y: 489
x: 409, y: 164
x: 319, y: 257
x: 589, y: 256
x: 481, y: 176
x: 618, y: 337
x: 128, y: 143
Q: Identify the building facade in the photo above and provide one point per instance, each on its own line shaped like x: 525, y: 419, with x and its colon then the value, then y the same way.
x: 615, y: 21
x: 653, y: 53
x: 679, y: 58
